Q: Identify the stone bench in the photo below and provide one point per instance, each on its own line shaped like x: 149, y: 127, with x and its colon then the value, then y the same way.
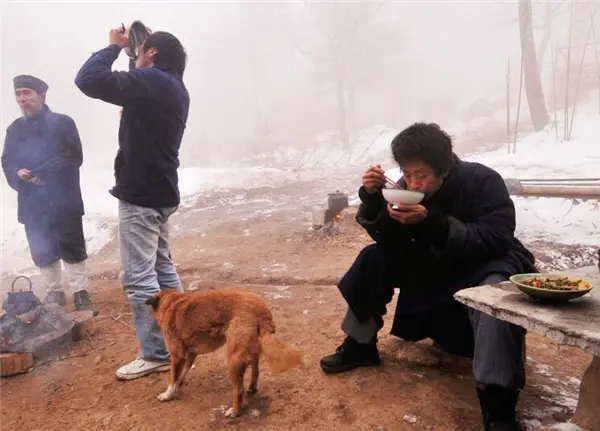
x: 576, y: 324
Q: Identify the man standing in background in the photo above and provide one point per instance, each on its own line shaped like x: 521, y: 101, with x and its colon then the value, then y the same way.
x: 155, y: 106
x: 41, y: 159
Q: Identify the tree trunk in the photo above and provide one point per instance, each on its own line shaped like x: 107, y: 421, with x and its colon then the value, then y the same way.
x: 533, y: 84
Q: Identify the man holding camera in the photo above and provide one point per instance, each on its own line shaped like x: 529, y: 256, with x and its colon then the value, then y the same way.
x: 41, y: 159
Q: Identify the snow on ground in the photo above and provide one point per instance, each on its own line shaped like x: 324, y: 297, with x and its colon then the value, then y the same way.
x: 538, y: 155
x: 101, y: 208
x: 99, y: 222
x: 194, y: 180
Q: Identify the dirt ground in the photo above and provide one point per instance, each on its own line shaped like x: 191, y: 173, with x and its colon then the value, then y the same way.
x: 295, y: 270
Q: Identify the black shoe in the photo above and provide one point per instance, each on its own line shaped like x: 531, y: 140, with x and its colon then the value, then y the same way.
x: 498, y: 407
x: 503, y: 426
x: 83, y: 301
x: 439, y: 347
x: 351, y: 354
x: 56, y: 297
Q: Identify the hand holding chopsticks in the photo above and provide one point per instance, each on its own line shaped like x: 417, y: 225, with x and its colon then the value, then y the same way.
x: 374, y: 179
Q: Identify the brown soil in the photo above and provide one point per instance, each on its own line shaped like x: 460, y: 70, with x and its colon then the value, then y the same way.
x: 295, y: 270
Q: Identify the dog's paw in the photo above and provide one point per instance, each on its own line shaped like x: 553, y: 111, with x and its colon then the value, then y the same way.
x: 230, y: 413
x: 165, y: 396
x: 251, y: 391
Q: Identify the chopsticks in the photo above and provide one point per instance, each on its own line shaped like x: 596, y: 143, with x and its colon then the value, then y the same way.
x: 391, y: 182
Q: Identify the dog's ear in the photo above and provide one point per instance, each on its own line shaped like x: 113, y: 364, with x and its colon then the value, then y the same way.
x: 153, y: 302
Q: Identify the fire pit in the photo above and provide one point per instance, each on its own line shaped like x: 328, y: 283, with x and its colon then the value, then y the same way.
x: 30, y: 329
x: 326, y: 220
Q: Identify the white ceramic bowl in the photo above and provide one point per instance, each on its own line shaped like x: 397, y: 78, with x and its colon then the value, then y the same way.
x: 399, y: 196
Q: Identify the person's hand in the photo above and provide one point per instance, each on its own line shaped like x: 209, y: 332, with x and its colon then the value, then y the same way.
x: 118, y: 36
x: 36, y: 180
x: 373, y: 179
x: 24, y: 174
x: 407, y: 214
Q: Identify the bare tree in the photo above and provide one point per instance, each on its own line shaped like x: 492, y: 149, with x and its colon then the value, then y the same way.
x: 344, y: 47
x: 567, y: 47
x: 552, y: 10
x: 533, y: 84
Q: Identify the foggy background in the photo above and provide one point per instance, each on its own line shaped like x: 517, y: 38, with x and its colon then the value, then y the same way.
x: 253, y: 65
x: 267, y: 76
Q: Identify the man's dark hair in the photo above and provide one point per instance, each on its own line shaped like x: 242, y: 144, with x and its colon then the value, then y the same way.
x: 426, y: 142
x: 171, y: 54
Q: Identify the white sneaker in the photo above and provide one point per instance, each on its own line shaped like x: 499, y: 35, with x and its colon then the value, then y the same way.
x: 140, y: 368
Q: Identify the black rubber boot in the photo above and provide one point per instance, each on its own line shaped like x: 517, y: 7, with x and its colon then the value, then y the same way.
x: 56, y: 297
x: 83, y: 301
x: 350, y: 355
x: 498, y: 407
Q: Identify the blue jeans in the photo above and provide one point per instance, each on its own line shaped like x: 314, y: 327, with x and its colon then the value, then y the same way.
x: 146, y: 269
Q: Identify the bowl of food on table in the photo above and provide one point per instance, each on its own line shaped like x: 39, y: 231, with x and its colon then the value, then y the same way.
x: 552, y: 287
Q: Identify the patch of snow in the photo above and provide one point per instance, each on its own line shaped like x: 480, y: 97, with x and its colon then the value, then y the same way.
x: 531, y: 424
x: 216, y: 412
x: 274, y: 268
x: 565, y: 426
x: 282, y: 292
x: 543, y: 369
x: 563, y: 394
x: 411, y: 419
x: 354, y: 202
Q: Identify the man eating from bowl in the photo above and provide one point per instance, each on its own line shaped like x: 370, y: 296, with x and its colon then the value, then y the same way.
x: 460, y: 235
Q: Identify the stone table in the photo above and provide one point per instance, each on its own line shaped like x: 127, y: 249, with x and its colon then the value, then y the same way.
x: 576, y: 323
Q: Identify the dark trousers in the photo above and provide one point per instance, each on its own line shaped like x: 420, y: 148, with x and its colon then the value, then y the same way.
x: 51, y: 240
x: 495, y: 346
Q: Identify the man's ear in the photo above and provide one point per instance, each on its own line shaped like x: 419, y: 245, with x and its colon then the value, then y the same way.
x: 153, y: 302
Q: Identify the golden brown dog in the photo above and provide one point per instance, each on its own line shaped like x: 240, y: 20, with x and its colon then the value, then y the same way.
x: 194, y: 324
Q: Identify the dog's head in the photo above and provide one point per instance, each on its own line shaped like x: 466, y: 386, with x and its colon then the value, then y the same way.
x: 153, y: 302
x: 160, y: 300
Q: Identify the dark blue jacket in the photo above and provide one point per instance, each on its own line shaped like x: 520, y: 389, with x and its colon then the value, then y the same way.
x: 467, y: 235
x: 155, y: 110
x: 49, y: 146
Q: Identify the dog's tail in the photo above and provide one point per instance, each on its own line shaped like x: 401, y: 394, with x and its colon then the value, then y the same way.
x: 279, y: 355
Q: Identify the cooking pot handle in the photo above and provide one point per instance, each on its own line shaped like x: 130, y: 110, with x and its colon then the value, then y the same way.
x: 12, y: 287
